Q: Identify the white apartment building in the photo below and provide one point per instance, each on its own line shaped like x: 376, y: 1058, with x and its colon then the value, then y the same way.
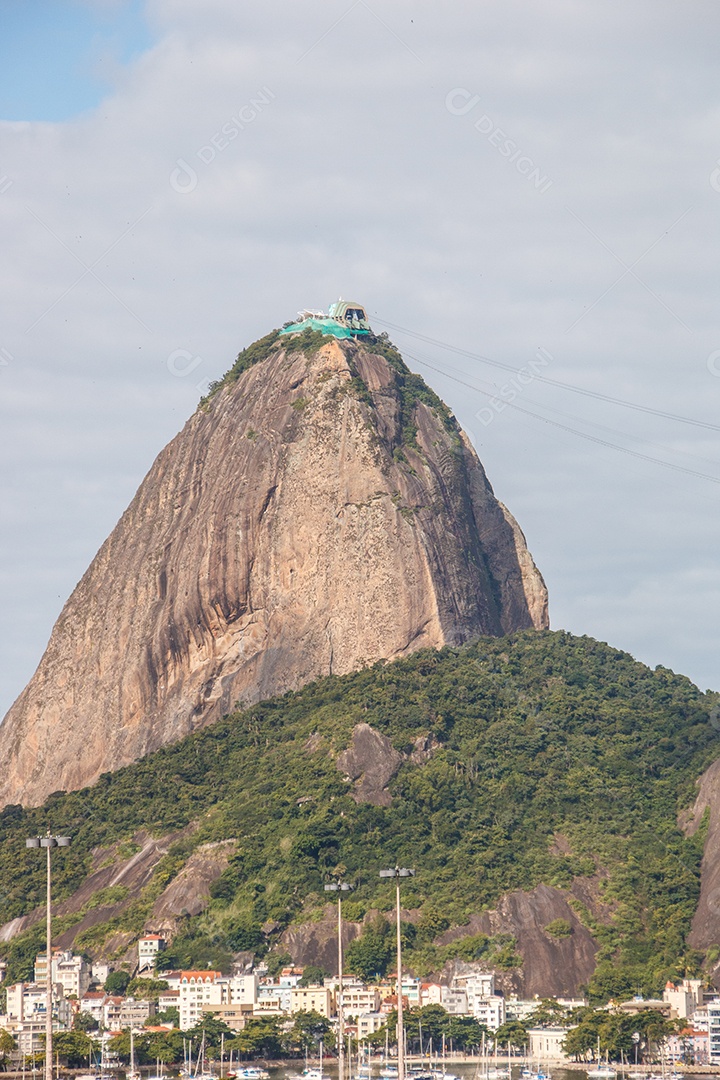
x: 431, y: 994
x: 99, y: 972
x: 148, y: 948
x: 272, y: 997
x: 685, y: 998
x: 104, y: 1008
x: 168, y: 999
x: 713, y: 1010
x: 411, y: 991
x: 269, y: 1004
x: 134, y: 1013
x: 482, y: 1002
x: 454, y: 1000
x: 546, y: 1043
x: 25, y: 1018
x: 241, y: 990
x: 199, y: 991
x: 489, y: 1011
x: 358, y: 999
x: 480, y: 984
x: 71, y: 971
x: 369, y: 1023
x: 700, y: 1020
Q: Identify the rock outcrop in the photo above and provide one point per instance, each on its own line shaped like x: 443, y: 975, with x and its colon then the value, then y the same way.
x: 312, y: 518
x: 371, y: 761
x: 550, y: 967
x: 706, y: 922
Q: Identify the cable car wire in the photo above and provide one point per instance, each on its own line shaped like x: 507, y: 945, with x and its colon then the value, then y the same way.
x: 597, y: 394
x: 574, y: 431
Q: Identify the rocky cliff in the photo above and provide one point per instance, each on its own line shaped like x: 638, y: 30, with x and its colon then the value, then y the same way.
x: 321, y: 512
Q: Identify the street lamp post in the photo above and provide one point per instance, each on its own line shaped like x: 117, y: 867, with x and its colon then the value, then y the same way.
x: 48, y: 842
x: 340, y: 887
x: 399, y: 872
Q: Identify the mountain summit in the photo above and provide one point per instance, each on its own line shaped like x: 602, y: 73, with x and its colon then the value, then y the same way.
x: 321, y: 511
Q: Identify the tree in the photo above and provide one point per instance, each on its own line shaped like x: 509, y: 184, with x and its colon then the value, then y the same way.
x: 117, y: 982
x: 171, y: 1015
x: 85, y: 1022
x: 145, y: 989
x: 308, y: 1029
x: 74, y: 1047
x: 465, y: 1032
x: 276, y: 962
x: 260, y: 1038
x: 369, y: 955
x: 549, y: 1013
x: 431, y: 1019
x: 512, y: 1033
x: 7, y: 1047
x: 312, y: 976
x: 212, y: 1028
x: 165, y: 1046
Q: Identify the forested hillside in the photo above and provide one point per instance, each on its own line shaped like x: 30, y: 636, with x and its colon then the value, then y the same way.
x: 543, y: 758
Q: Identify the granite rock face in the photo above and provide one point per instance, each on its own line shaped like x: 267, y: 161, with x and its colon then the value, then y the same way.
x: 290, y: 530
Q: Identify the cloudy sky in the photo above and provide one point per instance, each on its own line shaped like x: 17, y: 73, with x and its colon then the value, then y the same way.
x: 526, y: 196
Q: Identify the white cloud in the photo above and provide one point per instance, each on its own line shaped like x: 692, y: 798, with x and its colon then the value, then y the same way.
x: 354, y: 178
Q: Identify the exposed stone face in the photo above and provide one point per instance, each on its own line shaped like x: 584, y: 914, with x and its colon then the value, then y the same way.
x: 706, y: 921
x: 276, y: 539
x: 550, y: 967
x: 371, y: 761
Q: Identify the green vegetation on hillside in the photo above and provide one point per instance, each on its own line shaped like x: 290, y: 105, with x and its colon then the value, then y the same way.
x: 412, y: 388
x: 538, y: 735
x: 247, y: 358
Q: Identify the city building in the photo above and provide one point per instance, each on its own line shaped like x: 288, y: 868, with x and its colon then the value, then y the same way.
x: 241, y: 990
x: 149, y: 946
x: 134, y: 1013
x: 689, y: 1046
x: 640, y: 1004
x: 168, y: 999
x: 235, y: 1016
x: 199, y: 993
x: 713, y: 1010
x: 431, y: 994
x: 369, y: 1023
x: 546, y: 1044
x: 684, y: 998
x: 268, y: 1004
x: 99, y: 973
x: 71, y: 971
x: 25, y: 1019
x: 319, y: 999
x: 454, y: 1000
x: 488, y: 1010
x: 359, y: 999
